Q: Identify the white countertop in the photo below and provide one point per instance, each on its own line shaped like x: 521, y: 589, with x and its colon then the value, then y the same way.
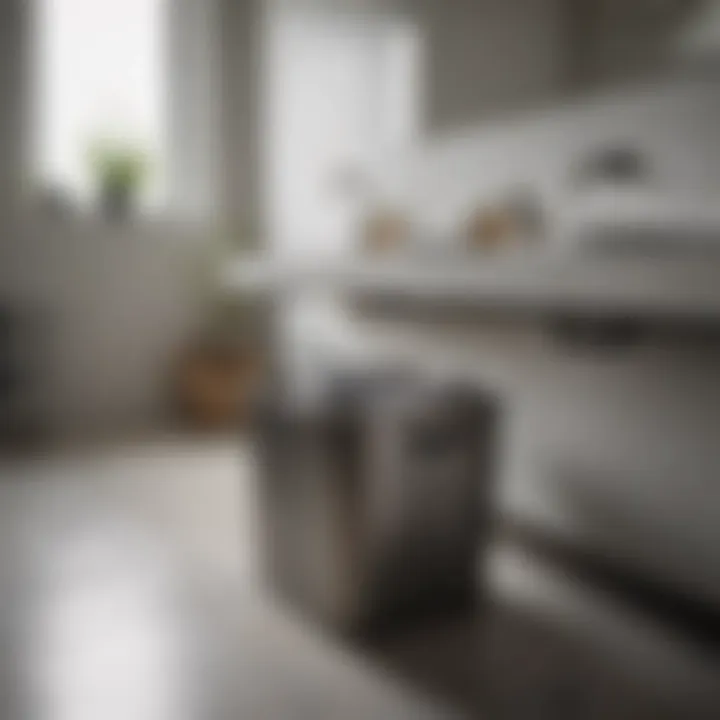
x: 670, y: 288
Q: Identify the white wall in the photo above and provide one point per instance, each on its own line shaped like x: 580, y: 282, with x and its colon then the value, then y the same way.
x: 675, y: 124
x: 116, y: 306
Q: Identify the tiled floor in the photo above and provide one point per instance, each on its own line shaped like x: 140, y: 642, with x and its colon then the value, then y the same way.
x: 128, y: 592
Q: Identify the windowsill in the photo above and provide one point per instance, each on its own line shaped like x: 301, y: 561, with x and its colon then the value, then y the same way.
x: 143, y: 224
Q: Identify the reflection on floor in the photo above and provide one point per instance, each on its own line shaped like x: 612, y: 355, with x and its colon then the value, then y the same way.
x: 129, y: 591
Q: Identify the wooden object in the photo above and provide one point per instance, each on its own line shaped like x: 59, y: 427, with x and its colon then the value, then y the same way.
x: 214, y: 384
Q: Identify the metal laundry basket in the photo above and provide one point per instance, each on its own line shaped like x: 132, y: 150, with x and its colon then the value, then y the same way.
x: 375, y: 501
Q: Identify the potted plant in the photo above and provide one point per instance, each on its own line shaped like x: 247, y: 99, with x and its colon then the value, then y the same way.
x: 223, y: 360
x: 120, y: 169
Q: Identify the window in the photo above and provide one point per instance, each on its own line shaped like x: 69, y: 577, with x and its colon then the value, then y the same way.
x: 344, y: 95
x: 100, y: 78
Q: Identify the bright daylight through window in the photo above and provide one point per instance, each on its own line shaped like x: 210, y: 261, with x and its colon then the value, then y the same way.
x: 100, y: 102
